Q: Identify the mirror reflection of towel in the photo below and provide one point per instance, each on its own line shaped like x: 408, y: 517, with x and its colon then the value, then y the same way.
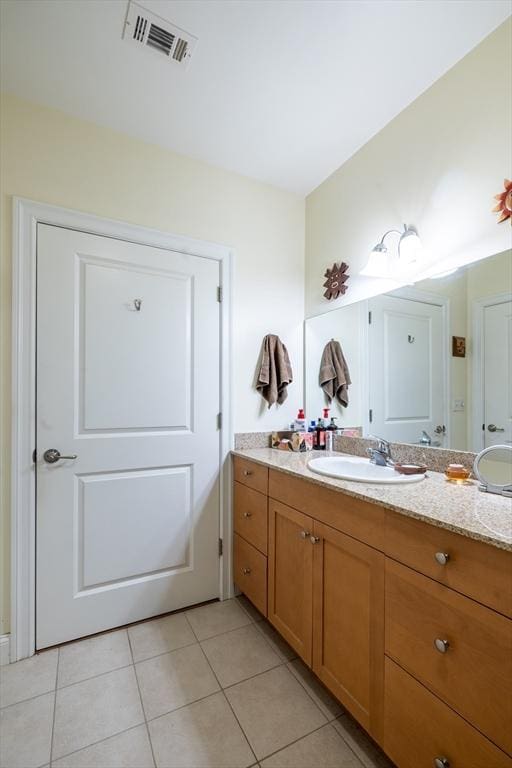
x: 275, y: 372
x: 334, y: 375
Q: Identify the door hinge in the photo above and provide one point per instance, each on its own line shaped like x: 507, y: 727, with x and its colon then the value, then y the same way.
x: 221, y: 547
x: 370, y: 415
x: 219, y: 421
x: 369, y: 318
x: 219, y: 293
x: 34, y: 456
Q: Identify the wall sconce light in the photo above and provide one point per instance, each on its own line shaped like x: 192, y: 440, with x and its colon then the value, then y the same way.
x: 380, y: 262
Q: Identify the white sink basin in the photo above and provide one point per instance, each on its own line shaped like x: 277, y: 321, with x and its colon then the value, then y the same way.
x: 359, y: 470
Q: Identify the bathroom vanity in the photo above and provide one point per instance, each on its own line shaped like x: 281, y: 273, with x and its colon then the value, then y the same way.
x: 398, y: 598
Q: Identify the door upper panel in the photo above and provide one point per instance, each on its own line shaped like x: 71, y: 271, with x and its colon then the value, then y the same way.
x: 120, y: 307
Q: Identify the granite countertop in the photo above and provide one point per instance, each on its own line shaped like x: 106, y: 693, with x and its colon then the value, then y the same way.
x: 460, y: 508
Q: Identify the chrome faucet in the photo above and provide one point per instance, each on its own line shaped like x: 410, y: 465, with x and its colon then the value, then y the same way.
x: 380, y: 455
x: 425, y: 438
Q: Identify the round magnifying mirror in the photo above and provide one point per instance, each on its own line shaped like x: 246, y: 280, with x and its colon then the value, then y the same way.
x: 493, y: 467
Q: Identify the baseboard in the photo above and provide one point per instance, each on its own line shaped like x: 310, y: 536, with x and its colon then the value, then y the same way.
x: 5, y: 641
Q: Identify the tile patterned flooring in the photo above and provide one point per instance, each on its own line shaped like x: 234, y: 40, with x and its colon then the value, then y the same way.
x: 211, y: 687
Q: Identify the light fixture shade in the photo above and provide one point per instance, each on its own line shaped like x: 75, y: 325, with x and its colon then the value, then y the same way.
x: 409, y: 247
x: 378, y: 263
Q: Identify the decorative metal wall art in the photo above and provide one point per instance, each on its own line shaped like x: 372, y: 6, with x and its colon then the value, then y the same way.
x: 336, y: 279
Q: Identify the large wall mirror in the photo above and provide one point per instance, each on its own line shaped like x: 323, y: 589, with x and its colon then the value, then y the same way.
x: 430, y: 364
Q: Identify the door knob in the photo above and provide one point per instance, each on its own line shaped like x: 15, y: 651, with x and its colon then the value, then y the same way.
x: 304, y: 534
x: 441, y: 762
x: 442, y: 557
x: 52, y: 455
x: 494, y: 428
x: 314, y: 539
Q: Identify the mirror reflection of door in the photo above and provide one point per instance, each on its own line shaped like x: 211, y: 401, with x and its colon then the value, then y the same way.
x: 407, y: 370
x: 493, y: 388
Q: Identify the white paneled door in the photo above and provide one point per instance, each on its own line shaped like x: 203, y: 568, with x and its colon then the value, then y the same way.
x: 407, y: 370
x: 128, y: 393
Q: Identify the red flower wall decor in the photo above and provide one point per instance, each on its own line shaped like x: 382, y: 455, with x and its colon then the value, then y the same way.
x: 504, y: 207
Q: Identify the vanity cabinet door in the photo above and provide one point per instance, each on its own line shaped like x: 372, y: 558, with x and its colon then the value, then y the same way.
x: 348, y: 623
x: 290, y: 563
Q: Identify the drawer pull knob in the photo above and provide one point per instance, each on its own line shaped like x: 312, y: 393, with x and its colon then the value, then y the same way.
x: 246, y: 571
x: 441, y: 762
x: 442, y: 557
x: 441, y: 645
x: 247, y: 514
x: 248, y: 472
x: 304, y: 534
x: 314, y: 539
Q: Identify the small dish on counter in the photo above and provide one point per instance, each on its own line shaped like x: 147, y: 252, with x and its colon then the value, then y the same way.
x: 410, y: 469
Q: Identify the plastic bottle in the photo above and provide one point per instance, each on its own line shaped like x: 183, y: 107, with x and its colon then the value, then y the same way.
x: 330, y: 433
x: 320, y: 435
x: 300, y: 421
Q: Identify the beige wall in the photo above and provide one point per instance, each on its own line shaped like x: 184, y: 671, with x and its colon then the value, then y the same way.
x: 437, y: 166
x: 50, y: 157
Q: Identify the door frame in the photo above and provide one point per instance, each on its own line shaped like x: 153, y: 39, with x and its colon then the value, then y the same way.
x: 477, y: 395
x: 27, y: 214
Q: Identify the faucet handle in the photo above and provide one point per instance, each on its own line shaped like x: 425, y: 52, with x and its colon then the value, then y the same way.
x: 382, y: 444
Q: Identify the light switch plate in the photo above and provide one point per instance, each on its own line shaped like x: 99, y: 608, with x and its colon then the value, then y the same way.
x: 458, y: 405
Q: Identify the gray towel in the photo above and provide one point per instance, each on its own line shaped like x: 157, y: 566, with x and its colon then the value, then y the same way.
x: 334, y: 375
x: 275, y: 372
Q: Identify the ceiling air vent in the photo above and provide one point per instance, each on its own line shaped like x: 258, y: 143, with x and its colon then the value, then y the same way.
x: 148, y: 30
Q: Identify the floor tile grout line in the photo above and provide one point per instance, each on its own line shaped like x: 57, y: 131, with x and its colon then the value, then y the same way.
x: 31, y: 698
x: 164, y: 653
x: 229, y: 705
x: 219, y: 634
x: 363, y: 763
x: 330, y: 718
x: 50, y: 759
x: 141, y: 702
x: 279, y: 653
x: 305, y: 736
x: 95, y: 743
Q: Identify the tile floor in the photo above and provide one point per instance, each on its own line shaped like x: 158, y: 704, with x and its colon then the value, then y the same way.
x: 212, y: 687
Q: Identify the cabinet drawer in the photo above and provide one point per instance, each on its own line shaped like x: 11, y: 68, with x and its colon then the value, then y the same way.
x: 418, y: 728
x: 473, y: 673
x: 473, y: 568
x: 250, y: 516
x: 250, y: 573
x: 250, y: 473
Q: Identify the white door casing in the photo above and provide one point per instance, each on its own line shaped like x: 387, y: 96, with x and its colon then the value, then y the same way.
x: 27, y: 215
x: 407, y: 369
x: 492, y: 376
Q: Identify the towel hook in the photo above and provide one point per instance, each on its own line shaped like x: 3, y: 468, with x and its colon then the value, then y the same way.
x: 137, y: 304
x: 411, y: 339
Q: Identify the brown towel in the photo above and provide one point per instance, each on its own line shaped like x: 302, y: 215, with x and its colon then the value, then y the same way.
x: 275, y: 371
x: 334, y: 375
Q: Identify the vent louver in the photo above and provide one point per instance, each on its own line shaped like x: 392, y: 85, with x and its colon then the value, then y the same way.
x: 148, y: 30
